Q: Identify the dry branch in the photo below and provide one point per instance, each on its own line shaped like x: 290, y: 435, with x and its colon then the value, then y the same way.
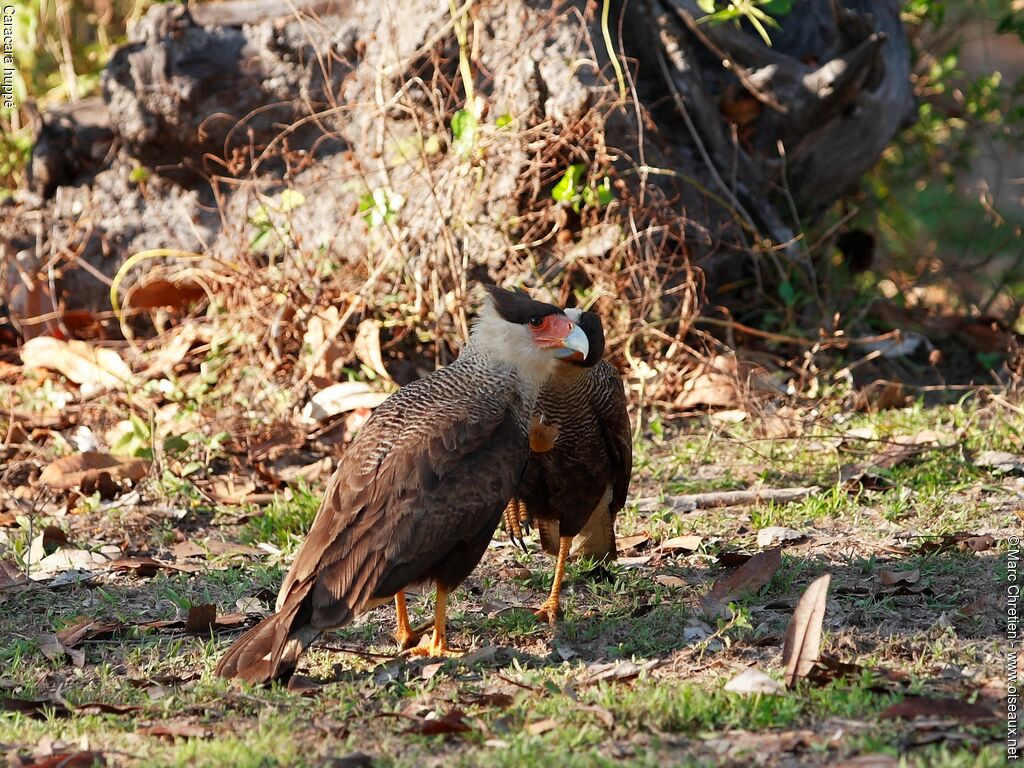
x: 712, y: 499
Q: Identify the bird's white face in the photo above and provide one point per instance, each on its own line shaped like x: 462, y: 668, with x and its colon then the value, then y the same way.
x: 532, y: 347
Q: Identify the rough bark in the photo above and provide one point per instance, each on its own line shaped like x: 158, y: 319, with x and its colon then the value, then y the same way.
x: 227, y: 104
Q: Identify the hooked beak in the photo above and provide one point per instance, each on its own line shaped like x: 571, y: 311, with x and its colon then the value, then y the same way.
x: 562, y: 335
x: 574, y: 346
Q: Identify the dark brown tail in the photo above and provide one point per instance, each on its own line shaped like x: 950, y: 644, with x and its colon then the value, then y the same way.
x: 269, y: 650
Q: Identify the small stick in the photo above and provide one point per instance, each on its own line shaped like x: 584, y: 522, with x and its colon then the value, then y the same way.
x: 690, y: 502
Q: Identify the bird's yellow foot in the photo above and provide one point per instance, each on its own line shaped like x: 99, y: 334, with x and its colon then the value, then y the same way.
x: 548, y: 611
x: 407, y: 639
x: 434, y: 650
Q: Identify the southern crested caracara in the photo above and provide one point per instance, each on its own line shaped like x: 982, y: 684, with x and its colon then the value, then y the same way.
x: 582, y: 456
x: 419, y: 491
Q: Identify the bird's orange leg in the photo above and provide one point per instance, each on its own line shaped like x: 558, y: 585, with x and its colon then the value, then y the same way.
x: 549, y: 609
x: 405, y: 635
x: 517, y: 522
x: 439, y: 643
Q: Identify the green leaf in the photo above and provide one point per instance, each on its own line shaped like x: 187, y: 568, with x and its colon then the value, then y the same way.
x: 778, y: 7
x: 464, y: 125
x: 787, y: 293
x: 708, y: 6
x: 503, y: 121
x: 567, y: 189
x: 291, y: 199
x: 175, y: 444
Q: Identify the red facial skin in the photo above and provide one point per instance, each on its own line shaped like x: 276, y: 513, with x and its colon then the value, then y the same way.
x: 551, y: 332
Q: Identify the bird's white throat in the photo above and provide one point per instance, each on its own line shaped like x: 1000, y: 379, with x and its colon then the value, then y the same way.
x: 512, y: 344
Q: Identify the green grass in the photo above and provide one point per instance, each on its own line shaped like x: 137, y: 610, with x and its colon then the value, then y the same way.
x: 675, y: 713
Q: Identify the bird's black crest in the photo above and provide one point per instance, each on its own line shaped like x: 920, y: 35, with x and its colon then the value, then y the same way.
x: 517, y: 307
x: 591, y: 325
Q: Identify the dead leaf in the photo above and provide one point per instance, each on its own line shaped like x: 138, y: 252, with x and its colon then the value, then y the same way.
x: 802, y: 646
x: 667, y: 580
x: 146, y: 567
x: 49, y: 541
x: 452, y: 722
x: 94, y: 368
x: 37, y: 708
x: 948, y: 709
x: 367, y: 347
x: 201, y: 619
x: 890, y: 578
x: 749, y: 577
x: 71, y: 471
x: 177, y: 731
x: 881, y: 395
x: 498, y: 699
x: 158, y: 292
x: 869, y: 761
x: 61, y: 758
x: 962, y: 541
x: 685, y: 543
x: 169, y: 353
x: 712, y: 384
x: 297, y: 466
x: 893, y: 456
x: 320, y: 349
x: 215, y: 548
x: 776, y: 535
x: 537, y: 727
x: 1000, y: 462
x: 50, y: 646
x: 341, y: 398
x: 428, y: 671
x: 619, y: 671
x: 636, y: 541
x: 753, y: 681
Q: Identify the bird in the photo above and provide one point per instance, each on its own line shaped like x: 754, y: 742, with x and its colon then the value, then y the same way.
x: 578, y: 473
x: 418, y: 493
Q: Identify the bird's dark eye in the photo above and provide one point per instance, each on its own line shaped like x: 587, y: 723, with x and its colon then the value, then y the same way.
x: 536, y: 322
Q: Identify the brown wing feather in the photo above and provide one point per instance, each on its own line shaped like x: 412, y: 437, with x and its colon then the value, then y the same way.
x: 407, y: 492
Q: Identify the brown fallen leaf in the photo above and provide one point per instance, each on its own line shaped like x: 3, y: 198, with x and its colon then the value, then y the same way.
x: 158, y: 292
x: 636, y: 541
x: 714, y: 383
x: 146, y: 567
x: 94, y: 368
x: 881, y: 395
x: 491, y: 699
x: 667, y: 580
x: 753, y: 681
x: 214, y: 548
x: 802, y: 646
x: 890, y: 578
x: 46, y: 543
x: 949, y: 709
x: 70, y: 472
x: 685, y: 543
x: 748, y: 578
x: 367, y: 347
x: 537, y: 727
x: 173, y: 731
x: 454, y: 721
x: 965, y: 542
x: 201, y: 619
x: 37, y: 708
x: 63, y: 758
x: 892, y: 456
x: 85, y: 628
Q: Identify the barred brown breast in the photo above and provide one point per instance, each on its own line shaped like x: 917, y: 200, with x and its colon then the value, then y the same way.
x: 577, y: 477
